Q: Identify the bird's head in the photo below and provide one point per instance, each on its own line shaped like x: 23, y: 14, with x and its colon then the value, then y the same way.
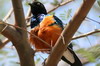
x: 37, y: 8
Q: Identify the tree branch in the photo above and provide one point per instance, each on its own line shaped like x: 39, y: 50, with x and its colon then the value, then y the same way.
x: 27, y: 19
x: 8, y: 15
x: 68, y: 32
x: 28, y: 14
x: 18, y: 11
x: 86, y: 34
x: 23, y: 48
x: 8, y: 31
x: 3, y: 43
x: 93, y: 20
x: 27, y: 32
x: 61, y: 4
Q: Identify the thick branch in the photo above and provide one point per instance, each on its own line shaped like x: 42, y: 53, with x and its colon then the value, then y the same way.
x: 23, y: 48
x: 3, y: 43
x: 18, y: 11
x: 8, y: 31
x: 68, y: 32
x: 28, y: 18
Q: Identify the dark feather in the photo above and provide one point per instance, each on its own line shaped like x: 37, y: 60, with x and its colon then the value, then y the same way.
x: 39, y: 12
x: 59, y: 22
x: 37, y: 8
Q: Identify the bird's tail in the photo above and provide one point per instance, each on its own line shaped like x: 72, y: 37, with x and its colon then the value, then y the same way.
x: 71, y: 58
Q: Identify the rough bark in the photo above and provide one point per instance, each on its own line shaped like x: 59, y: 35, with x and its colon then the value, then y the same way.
x: 17, y: 36
x: 23, y: 48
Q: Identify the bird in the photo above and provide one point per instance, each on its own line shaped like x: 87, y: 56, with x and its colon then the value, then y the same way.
x: 48, y: 28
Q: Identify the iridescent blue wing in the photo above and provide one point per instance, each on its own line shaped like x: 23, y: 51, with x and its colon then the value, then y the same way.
x: 40, y: 17
x: 34, y: 22
x: 58, y: 21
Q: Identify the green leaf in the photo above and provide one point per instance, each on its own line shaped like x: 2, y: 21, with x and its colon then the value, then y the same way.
x: 98, y: 2
x: 3, y: 52
x: 55, y: 2
x: 95, y: 50
x: 68, y: 13
x: 91, y: 53
x: 86, y: 54
x: 98, y: 64
x: 37, y: 61
x: 1, y: 58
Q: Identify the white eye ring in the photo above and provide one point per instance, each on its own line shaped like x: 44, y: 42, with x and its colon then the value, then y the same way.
x: 38, y: 3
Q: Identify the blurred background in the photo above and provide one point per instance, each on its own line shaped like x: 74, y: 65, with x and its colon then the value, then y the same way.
x: 87, y: 48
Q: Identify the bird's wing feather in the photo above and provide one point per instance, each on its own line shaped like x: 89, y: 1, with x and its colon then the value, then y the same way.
x: 58, y: 21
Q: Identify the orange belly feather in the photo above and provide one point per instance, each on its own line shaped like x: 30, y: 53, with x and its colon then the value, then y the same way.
x: 47, y: 33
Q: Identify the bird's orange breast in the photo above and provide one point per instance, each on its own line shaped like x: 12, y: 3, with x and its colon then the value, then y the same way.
x: 47, y: 33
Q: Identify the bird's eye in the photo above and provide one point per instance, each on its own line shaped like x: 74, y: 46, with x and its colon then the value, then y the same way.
x: 38, y: 3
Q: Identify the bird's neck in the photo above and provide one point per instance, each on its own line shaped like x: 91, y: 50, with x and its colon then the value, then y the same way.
x: 40, y: 17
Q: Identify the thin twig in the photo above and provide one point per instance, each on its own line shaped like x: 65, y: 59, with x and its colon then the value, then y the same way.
x: 8, y: 15
x: 86, y: 34
x: 36, y: 50
x: 93, y: 20
x: 86, y: 38
x: 61, y: 4
x: 89, y: 41
x: 27, y: 32
x: 28, y: 15
x: 4, y: 29
x: 76, y: 37
x: 3, y: 43
x: 68, y: 33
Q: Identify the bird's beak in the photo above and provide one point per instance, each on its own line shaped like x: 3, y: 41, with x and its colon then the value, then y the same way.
x: 30, y: 4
